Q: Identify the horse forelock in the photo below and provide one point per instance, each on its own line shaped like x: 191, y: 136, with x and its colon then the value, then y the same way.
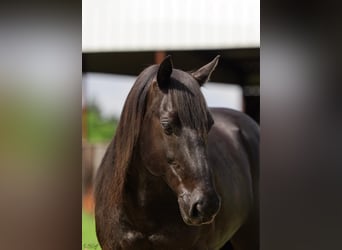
x: 188, y: 101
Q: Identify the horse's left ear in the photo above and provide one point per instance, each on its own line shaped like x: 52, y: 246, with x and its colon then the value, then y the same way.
x: 164, y: 73
x: 202, y: 75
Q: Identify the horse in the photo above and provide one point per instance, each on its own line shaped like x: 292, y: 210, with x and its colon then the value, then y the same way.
x: 177, y: 174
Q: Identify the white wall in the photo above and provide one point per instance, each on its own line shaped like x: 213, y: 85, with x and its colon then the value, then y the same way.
x: 128, y: 25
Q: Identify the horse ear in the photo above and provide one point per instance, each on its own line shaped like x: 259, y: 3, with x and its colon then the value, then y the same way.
x: 164, y: 72
x: 202, y: 75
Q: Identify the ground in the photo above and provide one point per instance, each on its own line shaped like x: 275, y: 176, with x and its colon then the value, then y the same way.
x: 89, y: 239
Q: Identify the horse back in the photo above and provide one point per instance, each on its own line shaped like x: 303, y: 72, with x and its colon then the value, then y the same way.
x: 248, y: 131
x: 234, y: 151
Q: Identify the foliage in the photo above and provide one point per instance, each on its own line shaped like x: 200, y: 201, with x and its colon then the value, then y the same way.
x: 99, y: 129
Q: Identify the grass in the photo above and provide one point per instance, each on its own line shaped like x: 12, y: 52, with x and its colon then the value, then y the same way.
x: 89, y: 239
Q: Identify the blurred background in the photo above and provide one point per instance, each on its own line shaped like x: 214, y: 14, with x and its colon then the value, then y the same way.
x: 120, y: 38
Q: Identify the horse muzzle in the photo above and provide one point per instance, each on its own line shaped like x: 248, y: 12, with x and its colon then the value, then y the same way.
x: 199, y: 208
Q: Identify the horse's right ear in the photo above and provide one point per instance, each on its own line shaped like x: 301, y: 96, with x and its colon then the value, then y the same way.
x: 164, y: 73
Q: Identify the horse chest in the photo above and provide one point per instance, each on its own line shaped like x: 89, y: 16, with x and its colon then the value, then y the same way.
x: 156, y: 241
x: 133, y: 240
x: 137, y: 240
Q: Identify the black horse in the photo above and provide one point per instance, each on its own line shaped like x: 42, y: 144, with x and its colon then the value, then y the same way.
x: 178, y: 175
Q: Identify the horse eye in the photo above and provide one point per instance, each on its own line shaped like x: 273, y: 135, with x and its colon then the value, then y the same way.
x: 167, y: 127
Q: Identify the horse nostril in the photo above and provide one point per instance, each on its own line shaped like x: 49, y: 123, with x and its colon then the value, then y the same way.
x: 204, y: 208
x: 199, y: 207
x: 197, y: 210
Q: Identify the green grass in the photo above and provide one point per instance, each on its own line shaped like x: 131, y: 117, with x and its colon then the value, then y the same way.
x: 89, y: 239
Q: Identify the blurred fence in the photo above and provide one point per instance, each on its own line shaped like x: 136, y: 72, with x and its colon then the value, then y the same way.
x: 91, y: 159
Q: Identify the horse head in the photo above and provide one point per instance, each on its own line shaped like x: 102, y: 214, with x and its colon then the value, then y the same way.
x: 173, y: 139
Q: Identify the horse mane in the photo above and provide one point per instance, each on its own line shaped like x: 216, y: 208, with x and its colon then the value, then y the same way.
x: 111, y: 179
